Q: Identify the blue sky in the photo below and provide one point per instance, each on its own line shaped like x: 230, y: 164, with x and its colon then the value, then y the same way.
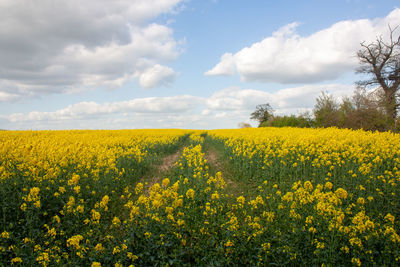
x: 175, y: 63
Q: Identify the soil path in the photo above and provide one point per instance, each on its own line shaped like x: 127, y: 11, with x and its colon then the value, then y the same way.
x: 160, y: 171
x: 218, y: 163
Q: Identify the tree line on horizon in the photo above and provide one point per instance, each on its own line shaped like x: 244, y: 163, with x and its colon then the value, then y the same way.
x: 371, y: 110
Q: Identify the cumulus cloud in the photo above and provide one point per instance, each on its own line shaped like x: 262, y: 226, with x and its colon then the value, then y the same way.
x: 8, y: 97
x: 285, y: 101
x: 223, y: 109
x: 157, y: 75
x: 60, y: 46
x: 287, y: 57
x: 85, y: 110
x: 226, y: 66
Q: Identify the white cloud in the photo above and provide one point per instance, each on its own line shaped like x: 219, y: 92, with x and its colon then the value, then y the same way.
x: 157, y: 75
x: 60, y: 46
x: 226, y: 66
x: 8, y: 97
x: 224, y: 109
x: 286, y: 57
x: 86, y: 110
x: 290, y: 99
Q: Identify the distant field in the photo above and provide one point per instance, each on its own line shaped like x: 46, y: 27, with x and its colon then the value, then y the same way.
x: 251, y: 197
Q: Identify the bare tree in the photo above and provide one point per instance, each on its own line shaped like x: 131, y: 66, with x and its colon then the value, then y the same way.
x: 381, y: 61
x: 244, y: 125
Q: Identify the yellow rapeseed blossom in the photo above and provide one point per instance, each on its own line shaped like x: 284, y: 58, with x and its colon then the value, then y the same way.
x: 99, y: 247
x: 390, y: 218
x: 229, y: 244
x: 190, y: 193
x: 320, y: 185
x: 341, y: 193
x: 165, y: 182
x: 116, y: 221
x: 240, y: 199
x: 5, y: 235
x: 74, y: 241
x: 16, y: 260
x: 356, y: 261
x: 308, y: 186
x: 95, y: 216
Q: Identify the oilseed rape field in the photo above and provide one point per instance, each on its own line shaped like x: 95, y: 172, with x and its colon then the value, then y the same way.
x: 246, y: 197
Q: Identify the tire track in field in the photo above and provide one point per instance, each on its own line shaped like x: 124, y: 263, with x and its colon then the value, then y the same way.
x: 161, y: 170
x: 218, y: 163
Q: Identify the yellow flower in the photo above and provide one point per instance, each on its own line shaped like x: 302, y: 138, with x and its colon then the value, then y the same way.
x: 16, y: 260
x: 190, y: 193
x: 99, y: 247
x: 266, y: 246
x: 96, y: 264
x: 288, y: 197
x: 5, y: 235
x: 169, y: 210
x: 390, y: 218
x: 269, y: 215
x: 139, y: 188
x: 33, y: 194
x: 241, y: 199
x: 345, y: 249
x: 229, y: 244
x: 43, y: 258
x: 74, y: 241
x: 61, y: 189
x: 328, y: 185
x: 356, y: 241
x: 165, y: 182
x: 356, y: 261
x: 320, y: 245
x: 116, y: 221
x: 215, y: 195
x: 77, y: 189
x: 74, y: 180
x: 259, y: 200
x: 177, y: 203
x: 104, y: 201
x: 80, y: 208
x: 308, y: 186
x: 95, y: 216
x: 147, y: 235
x: 134, y: 212
x: 27, y: 240
x: 37, y: 204
x: 116, y: 250
x: 23, y: 206
x: 52, y: 232
x: 131, y: 256
x: 341, y: 193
